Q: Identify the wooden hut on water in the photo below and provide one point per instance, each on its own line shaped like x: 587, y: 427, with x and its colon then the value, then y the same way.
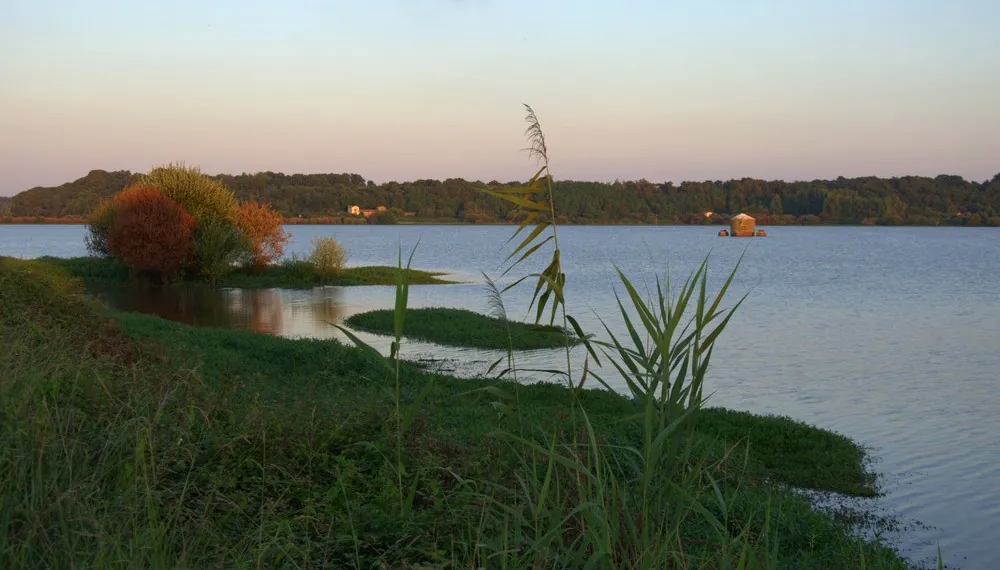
x: 742, y: 225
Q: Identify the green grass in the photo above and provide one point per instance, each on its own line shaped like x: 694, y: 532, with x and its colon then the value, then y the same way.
x: 131, y: 441
x: 95, y: 272
x: 794, y: 452
x: 459, y: 327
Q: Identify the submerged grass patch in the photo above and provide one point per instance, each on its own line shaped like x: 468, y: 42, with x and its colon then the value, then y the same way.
x: 131, y: 441
x: 460, y: 327
x: 96, y: 272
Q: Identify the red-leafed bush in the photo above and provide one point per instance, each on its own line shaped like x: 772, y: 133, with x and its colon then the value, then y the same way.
x: 150, y: 231
x: 263, y: 226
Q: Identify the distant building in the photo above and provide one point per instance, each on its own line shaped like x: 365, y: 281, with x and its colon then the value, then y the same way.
x: 709, y: 214
x: 355, y: 210
x: 742, y: 225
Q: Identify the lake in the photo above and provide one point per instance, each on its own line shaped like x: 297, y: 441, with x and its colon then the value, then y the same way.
x: 888, y: 335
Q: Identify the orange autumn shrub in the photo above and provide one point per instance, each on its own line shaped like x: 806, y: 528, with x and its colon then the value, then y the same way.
x: 150, y: 231
x: 262, y: 225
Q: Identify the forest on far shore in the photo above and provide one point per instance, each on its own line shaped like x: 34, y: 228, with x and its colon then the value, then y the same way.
x: 907, y: 200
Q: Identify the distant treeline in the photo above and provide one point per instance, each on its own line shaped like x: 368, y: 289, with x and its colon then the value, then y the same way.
x: 914, y: 200
x: 4, y: 205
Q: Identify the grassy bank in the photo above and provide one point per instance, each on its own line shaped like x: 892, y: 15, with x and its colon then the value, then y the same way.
x: 95, y: 271
x: 130, y: 441
x: 459, y: 327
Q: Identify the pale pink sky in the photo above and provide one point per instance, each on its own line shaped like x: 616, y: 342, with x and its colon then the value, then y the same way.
x: 396, y: 90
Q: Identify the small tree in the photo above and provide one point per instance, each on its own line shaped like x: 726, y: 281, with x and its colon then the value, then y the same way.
x: 219, y: 247
x: 98, y: 228
x: 328, y: 256
x: 264, y: 227
x: 150, y: 232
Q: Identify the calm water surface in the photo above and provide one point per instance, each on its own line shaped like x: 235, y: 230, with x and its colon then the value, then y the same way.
x: 888, y: 335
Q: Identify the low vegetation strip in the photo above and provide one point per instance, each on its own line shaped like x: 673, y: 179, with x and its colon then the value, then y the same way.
x: 131, y: 441
x: 292, y: 274
x: 298, y: 275
x: 460, y: 327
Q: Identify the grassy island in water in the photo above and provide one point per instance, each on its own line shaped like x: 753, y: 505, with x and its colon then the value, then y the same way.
x: 460, y: 327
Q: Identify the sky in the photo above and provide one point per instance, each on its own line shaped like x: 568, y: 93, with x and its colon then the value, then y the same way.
x: 407, y: 89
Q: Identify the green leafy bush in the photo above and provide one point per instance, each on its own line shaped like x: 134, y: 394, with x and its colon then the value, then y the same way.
x: 328, y: 256
x: 219, y: 247
x: 98, y: 227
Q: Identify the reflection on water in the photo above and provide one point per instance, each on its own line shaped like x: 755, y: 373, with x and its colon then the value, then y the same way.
x: 305, y: 313
x: 282, y: 312
x: 311, y: 313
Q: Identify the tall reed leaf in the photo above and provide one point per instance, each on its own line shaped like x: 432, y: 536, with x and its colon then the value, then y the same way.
x: 534, y: 203
x: 405, y: 415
